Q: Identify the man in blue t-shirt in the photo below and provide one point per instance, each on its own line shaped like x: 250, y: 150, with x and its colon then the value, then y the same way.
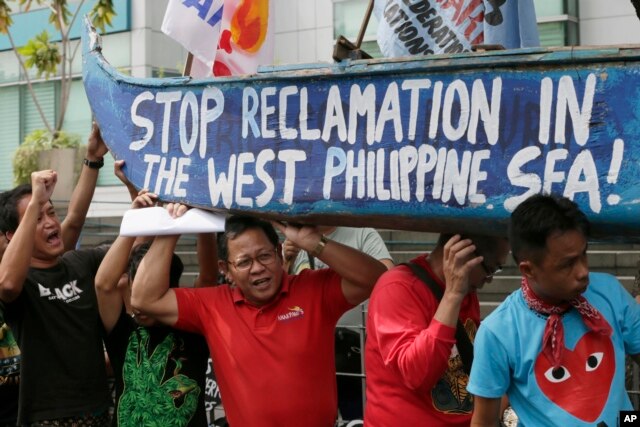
x: 556, y: 346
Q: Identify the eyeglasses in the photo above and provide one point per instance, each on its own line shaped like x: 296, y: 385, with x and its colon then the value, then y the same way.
x: 264, y: 258
x: 490, y: 272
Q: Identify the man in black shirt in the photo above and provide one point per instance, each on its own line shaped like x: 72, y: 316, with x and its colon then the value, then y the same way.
x: 50, y: 301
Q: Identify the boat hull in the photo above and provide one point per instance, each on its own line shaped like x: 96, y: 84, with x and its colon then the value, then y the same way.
x: 446, y: 143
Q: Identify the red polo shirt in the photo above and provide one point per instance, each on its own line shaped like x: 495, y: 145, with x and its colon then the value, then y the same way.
x: 415, y: 375
x: 275, y: 364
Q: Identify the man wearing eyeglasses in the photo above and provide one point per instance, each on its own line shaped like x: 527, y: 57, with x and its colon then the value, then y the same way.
x: 271, y: 335
x: 415, y: 375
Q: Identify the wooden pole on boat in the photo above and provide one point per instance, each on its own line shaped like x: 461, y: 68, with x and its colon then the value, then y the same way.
x: 365, y: 24
x: 187, y: 66
x: 344, y: 48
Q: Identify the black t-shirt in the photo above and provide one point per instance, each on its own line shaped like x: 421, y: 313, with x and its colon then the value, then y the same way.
x: 9, y: 373
x: 57, y: 325
x: 159, y: 374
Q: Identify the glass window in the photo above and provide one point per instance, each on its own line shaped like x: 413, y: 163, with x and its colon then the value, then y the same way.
x: 46, y: 94
x: 562, y: 29
x: 552, y: 34
x: 572, y: 8
x: 549, y: 7
x: 347, y: 19
x: 10, y: 135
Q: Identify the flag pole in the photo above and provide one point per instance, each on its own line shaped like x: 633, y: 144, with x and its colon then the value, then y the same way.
x: 187, y: 66
x: 344, y: 48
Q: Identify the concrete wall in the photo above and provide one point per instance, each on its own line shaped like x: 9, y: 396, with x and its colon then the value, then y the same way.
x: 303, y: 30
x: 608, y: 22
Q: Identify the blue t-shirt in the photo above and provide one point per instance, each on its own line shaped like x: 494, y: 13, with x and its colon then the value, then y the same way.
x: 588, y: 388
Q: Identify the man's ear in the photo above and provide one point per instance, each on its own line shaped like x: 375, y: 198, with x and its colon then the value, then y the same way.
x: 526, y: 269
x: 9, y: 235
x: 222, y: 267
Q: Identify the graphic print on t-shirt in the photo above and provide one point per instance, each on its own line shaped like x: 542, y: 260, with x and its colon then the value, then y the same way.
x: 582, y: 383
x: 148, y: 396
x: 9, y: 357
x: 450, y: 393
x: 67, y: 293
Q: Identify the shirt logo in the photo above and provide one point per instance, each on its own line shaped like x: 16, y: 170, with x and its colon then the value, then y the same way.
x: 67, y: 293
x: 294, y: 313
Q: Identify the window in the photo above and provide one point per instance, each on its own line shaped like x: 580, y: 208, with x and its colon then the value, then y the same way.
x: 557, y: 22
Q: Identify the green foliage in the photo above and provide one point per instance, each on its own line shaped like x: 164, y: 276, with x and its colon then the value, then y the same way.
x: 59, y: 7
x: 102, y: 13
x: 5, y: 17
x: 41, y: 54
x: 25, y: 159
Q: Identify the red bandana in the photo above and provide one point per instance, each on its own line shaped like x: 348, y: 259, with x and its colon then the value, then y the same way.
x: 553, y: 339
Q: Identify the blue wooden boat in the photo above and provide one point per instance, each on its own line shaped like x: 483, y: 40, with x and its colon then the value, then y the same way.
x: 448, y: 142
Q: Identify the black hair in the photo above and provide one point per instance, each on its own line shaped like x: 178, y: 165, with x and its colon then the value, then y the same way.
x: 10, y: 218
x: 538, y: 217
x: 484, y: 244
x: 139, y: 251
x: 3, y: 202
x: 238, y: 224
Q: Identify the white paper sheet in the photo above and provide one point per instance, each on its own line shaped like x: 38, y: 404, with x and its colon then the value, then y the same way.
x: 156, y: 221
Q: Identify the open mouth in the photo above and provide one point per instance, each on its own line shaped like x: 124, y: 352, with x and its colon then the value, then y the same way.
x: 53, y: 238
x: 262, y: 283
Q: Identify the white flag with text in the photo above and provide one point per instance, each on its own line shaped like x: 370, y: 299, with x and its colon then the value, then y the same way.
x: 195, y: 24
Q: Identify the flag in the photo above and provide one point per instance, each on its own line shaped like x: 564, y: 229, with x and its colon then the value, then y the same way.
x: 195, y: 24
x: 512, y: 24
x: 426, y: 27
x: 246, y: 40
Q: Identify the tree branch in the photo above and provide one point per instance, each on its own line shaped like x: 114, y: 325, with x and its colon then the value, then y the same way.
x: 65, y: 83
x: 29, y: 84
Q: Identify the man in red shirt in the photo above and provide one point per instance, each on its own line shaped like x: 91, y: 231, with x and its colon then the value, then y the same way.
x: 415, y: 375
x: 271, y: 335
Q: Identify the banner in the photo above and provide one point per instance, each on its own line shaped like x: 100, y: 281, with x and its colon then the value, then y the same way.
x: 195, y: 25
x: 415, y: 144
x: 426, y: 27
x: 246, y: 40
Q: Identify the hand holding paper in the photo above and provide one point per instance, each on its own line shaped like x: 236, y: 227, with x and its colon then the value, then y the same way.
x: 156, y: 221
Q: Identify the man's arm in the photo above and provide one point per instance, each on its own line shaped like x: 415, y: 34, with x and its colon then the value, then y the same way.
x: 358, y: 270
x: 17, y: 258
x: 150, y: 294
x: 113, y: 266
x: 83, y: 193
x: 117, y: 171
x: 458, y: 261
x: 207, y: 260
x: 486, y: 412
x: 407, y: 335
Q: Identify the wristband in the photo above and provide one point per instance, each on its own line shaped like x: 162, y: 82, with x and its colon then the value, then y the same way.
x: 94, y: 165
x: 320, y: 246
